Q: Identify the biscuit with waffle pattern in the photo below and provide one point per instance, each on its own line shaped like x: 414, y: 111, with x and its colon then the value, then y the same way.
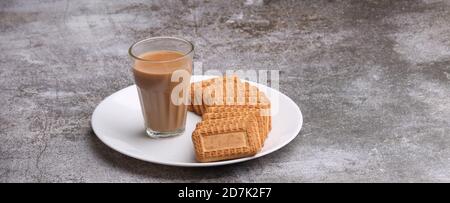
x: 227, y: 138
x: 263, y: 121
x: 198, y: 91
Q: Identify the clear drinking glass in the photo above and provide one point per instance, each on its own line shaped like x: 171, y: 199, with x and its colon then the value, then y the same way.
x: 156, y: 60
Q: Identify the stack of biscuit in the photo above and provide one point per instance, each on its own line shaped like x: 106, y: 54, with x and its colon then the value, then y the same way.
x: 235, y: 119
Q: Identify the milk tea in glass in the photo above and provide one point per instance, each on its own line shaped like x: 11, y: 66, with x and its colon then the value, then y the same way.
x: 156, y: 60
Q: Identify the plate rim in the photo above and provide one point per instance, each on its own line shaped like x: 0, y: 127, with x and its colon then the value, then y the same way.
x: 198, y: 164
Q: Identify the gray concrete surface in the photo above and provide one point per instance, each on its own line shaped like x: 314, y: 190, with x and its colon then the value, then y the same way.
x: 371, y: 77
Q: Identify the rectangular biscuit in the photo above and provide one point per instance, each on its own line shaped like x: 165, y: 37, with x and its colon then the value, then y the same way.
x: 223, y: 139
x: 251, y: 98
x: 200, y: 89
x: 263, y: 124
x: 224, y: 120
x: 220, y: 92
x: 263, y: 111
x: 196, y: 91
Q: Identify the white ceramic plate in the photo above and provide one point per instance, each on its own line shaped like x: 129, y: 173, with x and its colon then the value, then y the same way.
x: 117, y: 121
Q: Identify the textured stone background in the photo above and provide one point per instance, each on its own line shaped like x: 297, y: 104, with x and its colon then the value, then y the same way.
x: 371, y: 77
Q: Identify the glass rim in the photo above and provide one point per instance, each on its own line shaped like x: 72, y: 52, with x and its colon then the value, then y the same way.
x: 130, y: 50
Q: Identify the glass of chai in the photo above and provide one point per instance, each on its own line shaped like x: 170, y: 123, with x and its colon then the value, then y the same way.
x: 162, y: 71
